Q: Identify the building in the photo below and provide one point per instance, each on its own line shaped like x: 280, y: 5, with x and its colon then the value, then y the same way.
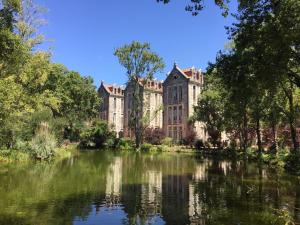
x: 152, y: 93
x: 112, y: 106
x: 167, y: 105
x: 181, y: 92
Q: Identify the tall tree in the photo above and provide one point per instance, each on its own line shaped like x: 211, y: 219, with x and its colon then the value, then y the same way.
x: 141, y: 64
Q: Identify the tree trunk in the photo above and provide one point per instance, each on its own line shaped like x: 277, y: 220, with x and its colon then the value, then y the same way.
x: 292, y: 121
x: 258, y: 135
x: 245, y: 131
x: 138, y: 113
x: 274, y: 137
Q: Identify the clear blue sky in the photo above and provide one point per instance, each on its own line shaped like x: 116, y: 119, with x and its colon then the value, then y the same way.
x: 86, y: 32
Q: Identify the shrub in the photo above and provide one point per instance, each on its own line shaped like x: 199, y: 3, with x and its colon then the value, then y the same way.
x: 43, y: 144
x: 292, y: 162
x: 10, y: 155
x: 97, y: 136
x: 146, y: 147
x: 124, y: 144
x: 190, y: 138
x: 154, y: 136
x: 167, y: 141
x: 199, y: 144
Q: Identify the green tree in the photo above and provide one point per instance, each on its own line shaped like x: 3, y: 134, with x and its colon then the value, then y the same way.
x: 141, y: 64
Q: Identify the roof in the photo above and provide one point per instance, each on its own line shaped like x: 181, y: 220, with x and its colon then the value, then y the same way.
x: 113, y: 89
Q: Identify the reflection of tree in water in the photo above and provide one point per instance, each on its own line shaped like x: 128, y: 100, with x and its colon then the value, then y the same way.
x: 177, y: 188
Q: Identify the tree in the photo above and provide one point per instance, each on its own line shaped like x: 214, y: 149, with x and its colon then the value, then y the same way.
x: 141, y: 64
x: 210, y: 108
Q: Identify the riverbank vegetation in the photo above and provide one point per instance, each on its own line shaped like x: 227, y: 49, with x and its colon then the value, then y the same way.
x: 42, y: 104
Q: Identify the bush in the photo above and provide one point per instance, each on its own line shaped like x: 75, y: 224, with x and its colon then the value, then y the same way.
x: 9, y: 155
x: 154, y: 136
x: 151, y: 148
x: 43, y: 144
x: 96, y: 136
x: 292, y: 163
x: 124, y: 144
x: 190, y: 139
x: 199, y: 144
x: 167, y: 141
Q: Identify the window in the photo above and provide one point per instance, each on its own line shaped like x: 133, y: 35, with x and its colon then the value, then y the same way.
x: 169, y: 115
x: 122, y: 106
x: 180, y: 114
x: 122, y: 123
x: 170, y: 132
x: 174, y: 114
x: 156, y: 100
x: 194, y: 93
x: 175, y: 133
x: 180, y: 133
x: 175, y: 95
x: 114, y: 119
x: 169, y: 95
x: 180, y: 94
x: 115, y: 104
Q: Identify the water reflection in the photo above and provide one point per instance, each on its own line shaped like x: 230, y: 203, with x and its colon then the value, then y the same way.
x: 129, y: 188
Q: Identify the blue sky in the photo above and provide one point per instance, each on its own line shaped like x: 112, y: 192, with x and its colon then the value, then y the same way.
x: 84, y: 34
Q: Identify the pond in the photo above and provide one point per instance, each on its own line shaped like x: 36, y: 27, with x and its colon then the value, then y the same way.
x: 134, y: 188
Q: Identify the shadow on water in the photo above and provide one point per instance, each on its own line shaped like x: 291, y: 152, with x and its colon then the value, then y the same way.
x: 135, y: 188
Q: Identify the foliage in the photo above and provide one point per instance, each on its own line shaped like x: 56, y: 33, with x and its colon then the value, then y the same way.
x: 154, y: 136
x: 124, y: 144
x: 43, y: 144
x: 199, y: 144
x: 190, y: 138
x: 141, y: 64
x: 96, y: 135
x: 167, y: 141
x: 33, y: 89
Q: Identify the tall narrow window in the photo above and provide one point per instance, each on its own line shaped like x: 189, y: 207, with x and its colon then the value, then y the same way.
x: 180, y: 133
x: 175, y: 133
x: 170, y: 132
x: 122, y: 106
x: 194, y: 93
x: 115, y: 104
x: 175, y: 95
x: 180, y: 114
x: 114, y: 119
x: 169, y: 95
x: 180, y: 94
x: 174, y: 114
x: 156, y: 100
x: 170, y: 115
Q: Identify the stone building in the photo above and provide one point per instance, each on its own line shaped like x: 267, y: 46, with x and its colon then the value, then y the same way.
x: 152, y: 93
x: 181, y: 91
x: 112, y: 106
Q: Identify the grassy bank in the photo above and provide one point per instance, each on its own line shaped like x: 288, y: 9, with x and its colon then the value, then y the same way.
x: 17, y: 156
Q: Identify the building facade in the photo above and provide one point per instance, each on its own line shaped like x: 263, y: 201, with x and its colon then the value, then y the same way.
x: 152, y: 92
x: 112, y: 107
x: 181, y: 92
x: 167, y: 105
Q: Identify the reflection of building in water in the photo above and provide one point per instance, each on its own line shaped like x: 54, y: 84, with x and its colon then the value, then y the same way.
x: 114, y: 182
x: 225, y: 166
x: 175, y: 199
x: 151, y: 192
x: 201, y: 171
x: 196, y: 207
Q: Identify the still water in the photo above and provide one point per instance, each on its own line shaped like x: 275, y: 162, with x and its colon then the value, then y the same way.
x: 134, y: 188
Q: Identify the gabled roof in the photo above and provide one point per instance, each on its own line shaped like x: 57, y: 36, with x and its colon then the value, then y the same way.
x: 189, y: 73
x: 112, y: 89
